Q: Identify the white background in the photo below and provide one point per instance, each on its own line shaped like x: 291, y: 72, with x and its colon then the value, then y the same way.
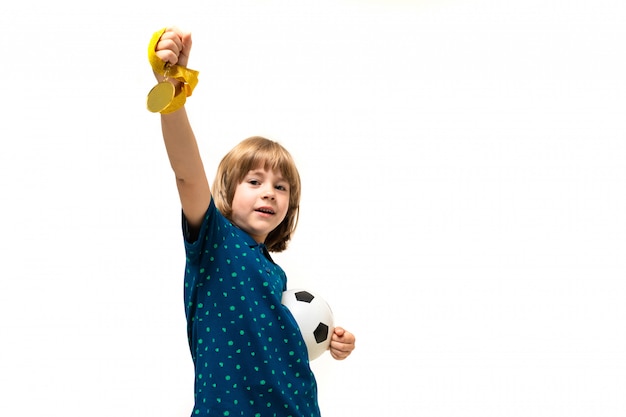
x: 463, y: 211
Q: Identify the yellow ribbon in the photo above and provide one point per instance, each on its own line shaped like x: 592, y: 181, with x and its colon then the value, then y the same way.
x: 188, y: 77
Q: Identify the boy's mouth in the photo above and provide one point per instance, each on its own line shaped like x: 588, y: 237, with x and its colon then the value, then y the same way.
x: 266, y: 210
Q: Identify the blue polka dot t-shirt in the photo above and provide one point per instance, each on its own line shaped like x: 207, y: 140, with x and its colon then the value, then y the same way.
x: 249, y: 357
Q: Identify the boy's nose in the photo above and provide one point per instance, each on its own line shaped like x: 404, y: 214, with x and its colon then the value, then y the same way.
x: 268, y: 193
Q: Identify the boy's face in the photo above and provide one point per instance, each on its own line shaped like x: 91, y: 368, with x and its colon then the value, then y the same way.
x: 260, y: 202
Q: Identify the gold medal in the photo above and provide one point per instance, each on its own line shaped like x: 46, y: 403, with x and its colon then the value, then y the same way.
x: 160, y: 96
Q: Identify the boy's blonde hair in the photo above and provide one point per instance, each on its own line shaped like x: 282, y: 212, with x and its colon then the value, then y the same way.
x: 250, y: 154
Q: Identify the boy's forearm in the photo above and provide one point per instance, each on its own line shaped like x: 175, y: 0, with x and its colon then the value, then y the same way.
x: 182, y: 148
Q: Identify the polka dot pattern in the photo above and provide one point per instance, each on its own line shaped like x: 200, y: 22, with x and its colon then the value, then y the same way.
x: 249, y: 356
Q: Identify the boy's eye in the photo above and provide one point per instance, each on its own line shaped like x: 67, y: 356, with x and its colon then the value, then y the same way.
x: 281, y: 187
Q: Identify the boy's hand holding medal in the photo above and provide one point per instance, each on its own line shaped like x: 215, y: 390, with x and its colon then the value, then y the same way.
x: 168, y: 53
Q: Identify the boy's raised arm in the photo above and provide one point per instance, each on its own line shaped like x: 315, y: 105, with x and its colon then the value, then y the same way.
x: 180, y: 142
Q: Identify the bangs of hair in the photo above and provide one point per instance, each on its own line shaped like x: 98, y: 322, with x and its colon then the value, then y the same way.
x: 257, y: 152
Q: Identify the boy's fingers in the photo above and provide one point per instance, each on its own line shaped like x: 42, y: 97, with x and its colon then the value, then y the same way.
x: 185, y: 43
x: 167, y: 56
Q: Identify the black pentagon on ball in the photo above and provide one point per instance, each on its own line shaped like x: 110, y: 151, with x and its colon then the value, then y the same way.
x: 321, y: 333
x: 305, y: 296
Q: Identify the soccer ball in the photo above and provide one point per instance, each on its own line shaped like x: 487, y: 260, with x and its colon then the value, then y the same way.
x: 314, y: 317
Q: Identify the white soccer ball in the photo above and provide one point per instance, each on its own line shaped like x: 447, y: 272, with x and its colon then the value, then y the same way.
x: 314, y: 317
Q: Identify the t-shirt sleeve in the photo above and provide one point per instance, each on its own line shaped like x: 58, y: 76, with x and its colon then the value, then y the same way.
x: 196, y: 238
